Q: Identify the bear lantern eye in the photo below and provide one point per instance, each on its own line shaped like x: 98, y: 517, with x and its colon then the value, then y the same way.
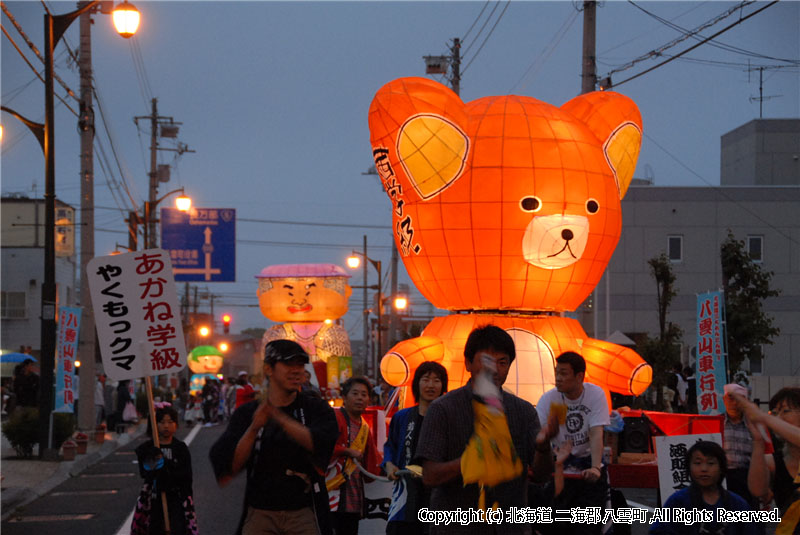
x: 530, y: 204
x: 592, y: 206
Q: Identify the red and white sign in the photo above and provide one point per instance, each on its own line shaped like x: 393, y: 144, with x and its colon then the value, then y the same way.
x: 137, y: 314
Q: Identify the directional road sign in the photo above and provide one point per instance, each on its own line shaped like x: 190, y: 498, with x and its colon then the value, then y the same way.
x: 201, y: 243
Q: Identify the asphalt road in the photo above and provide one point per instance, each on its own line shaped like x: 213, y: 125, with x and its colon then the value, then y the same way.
x: 101, y: 499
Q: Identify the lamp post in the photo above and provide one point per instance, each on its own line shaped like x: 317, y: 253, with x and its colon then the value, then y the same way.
x: 182, y: 203
x: 353, y: 262
x: 54, y: 28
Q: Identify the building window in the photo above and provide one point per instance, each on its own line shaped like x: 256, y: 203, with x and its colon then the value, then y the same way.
x: 757, y: 361
x: 675, y: 248
x: 755, y: 247
x: 13, y: 306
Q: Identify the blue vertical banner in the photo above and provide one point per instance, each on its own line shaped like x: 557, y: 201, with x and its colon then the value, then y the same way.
x: 710, y: 367
x: 69, y: 325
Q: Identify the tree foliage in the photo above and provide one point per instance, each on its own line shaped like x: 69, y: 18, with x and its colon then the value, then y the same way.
x: 254, y: 332
x: 746, y: 286
x: 662, y: 352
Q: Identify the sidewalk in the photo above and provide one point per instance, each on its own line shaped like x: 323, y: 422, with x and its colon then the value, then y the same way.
x: 26, y: 480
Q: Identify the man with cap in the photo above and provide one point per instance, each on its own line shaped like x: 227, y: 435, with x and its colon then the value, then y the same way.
x: 738, y: 444
x: 285, y: 441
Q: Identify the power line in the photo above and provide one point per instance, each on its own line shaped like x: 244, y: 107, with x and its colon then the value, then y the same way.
x: 548, y: 49
x: 8, y: 36
x: 487, y: 37
x: 488, y: 18
x: 32, y: 46
x: 475, y: 21
x: 697, y: 45
x: 694, y: 34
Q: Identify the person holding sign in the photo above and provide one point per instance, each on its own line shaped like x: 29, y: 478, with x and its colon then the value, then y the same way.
x: 586, y: 413
x: 355, y: 445
x: 776, y: 474
x: 285, y: 441
x: 704, y: 497
x: 166, y: 469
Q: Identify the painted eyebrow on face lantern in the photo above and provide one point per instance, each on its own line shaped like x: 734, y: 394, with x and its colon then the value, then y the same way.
x: 289, y: 286
x: 312, y: 285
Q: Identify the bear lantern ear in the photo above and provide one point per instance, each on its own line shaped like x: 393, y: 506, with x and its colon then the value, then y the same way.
x: 433, y: 152
x: 616, y: 122
x: 420, y: 125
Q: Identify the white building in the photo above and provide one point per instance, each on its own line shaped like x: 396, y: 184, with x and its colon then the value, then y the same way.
x: 22, y: 268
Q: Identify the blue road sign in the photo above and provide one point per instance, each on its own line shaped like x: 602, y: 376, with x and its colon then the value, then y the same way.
x: 201, y: 243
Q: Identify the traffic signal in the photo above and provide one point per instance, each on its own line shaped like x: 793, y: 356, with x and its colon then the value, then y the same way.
x: 226, y: 323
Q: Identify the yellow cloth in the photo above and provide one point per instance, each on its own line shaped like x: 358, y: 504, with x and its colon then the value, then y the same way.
x: 489, y: 458
x: 336, y: 478
x: 791, y: 518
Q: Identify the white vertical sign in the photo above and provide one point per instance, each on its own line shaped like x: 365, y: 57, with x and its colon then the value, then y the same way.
x: 673, y: 472
x: 137, y: 314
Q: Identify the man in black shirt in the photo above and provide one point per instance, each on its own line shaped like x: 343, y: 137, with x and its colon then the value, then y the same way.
x: 285, y: 441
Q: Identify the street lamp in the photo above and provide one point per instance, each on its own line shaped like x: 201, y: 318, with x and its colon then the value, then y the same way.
x: 54, y: 28
x: 182, y: 203
x: 353, y: 261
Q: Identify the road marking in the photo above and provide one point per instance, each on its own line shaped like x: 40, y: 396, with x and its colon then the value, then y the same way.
x: 84, y: 492
x: 51, y: 518
x: 125, y: 529
x: 123, y: 474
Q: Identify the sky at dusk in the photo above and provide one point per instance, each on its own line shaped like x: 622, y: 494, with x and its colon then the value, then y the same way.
x: 273, y: 97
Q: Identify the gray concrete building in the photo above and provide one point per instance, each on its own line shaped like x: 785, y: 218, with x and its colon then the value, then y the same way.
x: 759, y: 202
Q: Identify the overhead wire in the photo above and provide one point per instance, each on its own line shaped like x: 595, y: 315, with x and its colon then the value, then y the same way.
x: 69, y: 91
x: 685, y: 34
x: 615, y: 84
x: 496, y: 22
x: 35, y: 50
x: 548, y: 50
x: 466, y: 34
x: 716, y: 44
x: 483, y: 26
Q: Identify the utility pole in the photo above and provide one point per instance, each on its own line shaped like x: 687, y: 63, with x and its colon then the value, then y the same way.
x: 455, y: 53
x: 367, y: 352
x: 440, y: 64
x: 158, y: 173
x: 153, y: 189
x: 87, y: 349
x: 589, y: 74
x: 393, y: 316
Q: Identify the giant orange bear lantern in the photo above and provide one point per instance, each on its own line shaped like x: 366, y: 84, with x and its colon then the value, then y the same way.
x: 506, y: 210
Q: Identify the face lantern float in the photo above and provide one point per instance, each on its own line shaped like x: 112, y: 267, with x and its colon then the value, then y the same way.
x: 305, y: 300
x: 507, y: 208
x: 205, y: 362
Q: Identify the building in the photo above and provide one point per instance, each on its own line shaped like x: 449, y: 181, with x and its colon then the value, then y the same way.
x: 22, y: 268
x: 690, y: 223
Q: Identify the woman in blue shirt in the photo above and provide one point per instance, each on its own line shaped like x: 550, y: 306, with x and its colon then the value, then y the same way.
x: 408, y: 493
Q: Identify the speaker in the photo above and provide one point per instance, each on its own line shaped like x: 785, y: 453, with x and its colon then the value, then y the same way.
x: 635, y: 436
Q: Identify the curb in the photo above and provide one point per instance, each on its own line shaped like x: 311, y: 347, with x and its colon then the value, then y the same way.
x: 14, y: 498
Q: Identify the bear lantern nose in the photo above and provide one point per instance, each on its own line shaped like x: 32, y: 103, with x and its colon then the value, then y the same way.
x: 567, y: 234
